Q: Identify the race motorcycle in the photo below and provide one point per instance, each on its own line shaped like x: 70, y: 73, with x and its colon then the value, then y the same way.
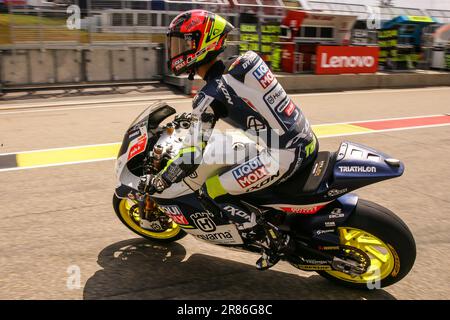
x: 348, y: 240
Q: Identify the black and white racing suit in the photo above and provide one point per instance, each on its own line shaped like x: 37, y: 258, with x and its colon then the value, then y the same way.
x: 247, y: 96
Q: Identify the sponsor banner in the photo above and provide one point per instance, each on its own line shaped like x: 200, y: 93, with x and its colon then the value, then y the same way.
x: 338, y: 60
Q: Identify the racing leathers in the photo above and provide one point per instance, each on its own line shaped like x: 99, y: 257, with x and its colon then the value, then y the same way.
x: 246, y: 95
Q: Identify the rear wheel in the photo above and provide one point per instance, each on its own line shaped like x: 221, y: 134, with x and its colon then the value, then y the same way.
x: 127, y: 211
x: 385, y: 239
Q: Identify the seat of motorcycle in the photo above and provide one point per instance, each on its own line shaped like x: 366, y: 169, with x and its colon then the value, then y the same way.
x: 308, y: 180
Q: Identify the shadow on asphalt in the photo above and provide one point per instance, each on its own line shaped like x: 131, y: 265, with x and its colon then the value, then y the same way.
x: 139, y: 269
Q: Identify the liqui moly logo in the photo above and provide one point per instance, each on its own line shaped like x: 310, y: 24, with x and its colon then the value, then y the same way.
x: 264, y: 75
x: 250, y: 173
x: 337, y: 60
x: 175, y: 213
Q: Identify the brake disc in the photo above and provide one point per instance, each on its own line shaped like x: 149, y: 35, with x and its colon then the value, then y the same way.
x: 351, y: 260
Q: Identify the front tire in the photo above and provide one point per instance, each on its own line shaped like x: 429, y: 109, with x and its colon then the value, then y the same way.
x: 130, y: 218
x: 385, y: 238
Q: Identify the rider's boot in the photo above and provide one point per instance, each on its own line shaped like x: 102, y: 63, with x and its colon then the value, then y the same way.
x: 278, y: 244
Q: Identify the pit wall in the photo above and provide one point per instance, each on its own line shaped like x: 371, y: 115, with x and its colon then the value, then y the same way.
x: 79, y: 64
x: 297, y: 83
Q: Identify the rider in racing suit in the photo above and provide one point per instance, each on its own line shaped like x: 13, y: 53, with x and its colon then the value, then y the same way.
x: 245, y: 94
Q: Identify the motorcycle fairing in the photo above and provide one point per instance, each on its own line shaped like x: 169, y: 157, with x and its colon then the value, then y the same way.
x: 366, y: 166
x: 129, y: 167
x: 202, y: 224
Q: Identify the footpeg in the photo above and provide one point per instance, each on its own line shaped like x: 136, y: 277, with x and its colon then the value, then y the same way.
x: 267, y: 261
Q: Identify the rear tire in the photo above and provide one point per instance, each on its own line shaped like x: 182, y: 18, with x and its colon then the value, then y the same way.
x: 383, y: 224
x: 125, y: 216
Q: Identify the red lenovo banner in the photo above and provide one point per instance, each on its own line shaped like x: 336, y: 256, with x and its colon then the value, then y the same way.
x: 338, y: 60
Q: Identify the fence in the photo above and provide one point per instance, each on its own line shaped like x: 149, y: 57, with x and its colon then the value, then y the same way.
x: 113, y: 40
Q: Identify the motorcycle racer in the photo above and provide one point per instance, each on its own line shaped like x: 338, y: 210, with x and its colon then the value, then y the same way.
x: 244, y: 93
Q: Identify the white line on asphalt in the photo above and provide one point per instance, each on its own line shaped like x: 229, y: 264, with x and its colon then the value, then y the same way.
x: 61, y: 148
x: 139, y: 102
x: 121, y: 105
x: 373, y: 91
x: 57, y: 164
x: 113, y: 158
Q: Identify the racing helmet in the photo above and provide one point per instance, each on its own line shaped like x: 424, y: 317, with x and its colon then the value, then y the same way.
x: 194, y: 38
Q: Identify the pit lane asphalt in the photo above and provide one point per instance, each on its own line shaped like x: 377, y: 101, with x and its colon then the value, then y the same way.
x: 55, y: 218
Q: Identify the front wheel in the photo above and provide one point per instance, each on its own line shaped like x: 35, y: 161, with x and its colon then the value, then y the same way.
x: 128, y: 212
x: 387, y: 241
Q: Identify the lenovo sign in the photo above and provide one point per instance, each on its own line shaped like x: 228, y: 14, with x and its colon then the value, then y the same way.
x: 337, y: 60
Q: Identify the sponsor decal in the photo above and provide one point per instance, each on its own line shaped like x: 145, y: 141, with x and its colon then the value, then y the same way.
x: 275, y: 96
x: 358, y: 169
x: 313, y: 261
x: 249, y: 104
x: 199, y: 97
x: 263, y: 183
x: 290, y: 109
x: 250, y: 57
x: 215, y: 236
x: 254, y: 124
x: 342, y: 151
x: 175, y: 213
x: 173, y: 173
x: 178, y: 63
x: 134, y: 133
x: 150, y: 225
x: 299, y: 137
x: 226, y: 234
x: 328, y: 248
x: 235, y: 63
x: 338, y: 60
x: 304, y: 210
x: 250, y: 173
x: 225, y: 92
x: 283, y: 108
x: 138, y: 147
x: 191, y: 58
x: 329, y: 224
x: 336, y: 213
x: 313, y: 267
x: 264, y: 75
x: 336, y: 192
x: 193, y: 175
x: 203, y: 221
x: 233, y: 211
x: 396, y: 270
x: 319, y: 232
x: 318, y: 167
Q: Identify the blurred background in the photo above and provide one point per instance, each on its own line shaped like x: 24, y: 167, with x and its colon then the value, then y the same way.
x: 86, y: 42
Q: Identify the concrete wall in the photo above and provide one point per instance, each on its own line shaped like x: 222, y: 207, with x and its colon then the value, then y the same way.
x: 71, y: 65
x: 308, y: 83
x: 68, y: 65
x: 42, y: 68
x: 98, y: 65
x: 14, y: 67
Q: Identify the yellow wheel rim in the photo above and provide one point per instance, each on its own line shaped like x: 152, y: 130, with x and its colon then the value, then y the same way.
x: 132, y: 220
x: 382, y: 256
